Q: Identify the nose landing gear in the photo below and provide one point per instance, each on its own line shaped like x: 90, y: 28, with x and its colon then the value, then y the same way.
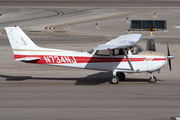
x: 152, y: 78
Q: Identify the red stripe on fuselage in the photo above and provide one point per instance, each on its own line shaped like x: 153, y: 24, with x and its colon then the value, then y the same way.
x: 53, y: 59
x: 18, y: 56
x: 158, y: 59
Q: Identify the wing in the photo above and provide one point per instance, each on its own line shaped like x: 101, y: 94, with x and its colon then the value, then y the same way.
x: 123, y: 41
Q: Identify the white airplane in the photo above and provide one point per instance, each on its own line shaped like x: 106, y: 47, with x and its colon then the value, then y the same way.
x: 119, y: 56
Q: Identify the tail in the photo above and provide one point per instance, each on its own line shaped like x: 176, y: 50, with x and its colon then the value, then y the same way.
x: 18, y: 39
x: 23, y: 46
x: 20, y: 42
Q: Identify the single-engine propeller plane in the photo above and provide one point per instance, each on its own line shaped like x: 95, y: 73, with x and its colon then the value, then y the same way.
x: 119, y: 56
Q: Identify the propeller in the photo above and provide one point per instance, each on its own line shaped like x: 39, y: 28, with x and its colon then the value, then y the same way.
x: 169, y: 57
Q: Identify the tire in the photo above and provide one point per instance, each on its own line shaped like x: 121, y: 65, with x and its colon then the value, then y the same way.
x: 121, y: 76
x: 152, y: 79
x: 114, y: 80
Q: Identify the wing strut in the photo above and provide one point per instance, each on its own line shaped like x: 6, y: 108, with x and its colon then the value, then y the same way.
x: 128, y: 59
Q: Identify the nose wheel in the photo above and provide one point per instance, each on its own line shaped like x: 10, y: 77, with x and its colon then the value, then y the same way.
x: 152, y: 79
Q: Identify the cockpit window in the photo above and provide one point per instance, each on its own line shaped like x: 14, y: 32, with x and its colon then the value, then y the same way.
x: 136, y: 49
x: 103, y: 53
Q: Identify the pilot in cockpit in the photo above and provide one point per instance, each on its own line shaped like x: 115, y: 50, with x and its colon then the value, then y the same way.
x: 135, y: 50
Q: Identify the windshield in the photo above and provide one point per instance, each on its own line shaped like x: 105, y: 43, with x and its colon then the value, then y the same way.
x: 136, y: 49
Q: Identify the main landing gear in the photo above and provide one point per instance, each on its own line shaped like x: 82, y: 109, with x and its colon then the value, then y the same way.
x: 120, y: 76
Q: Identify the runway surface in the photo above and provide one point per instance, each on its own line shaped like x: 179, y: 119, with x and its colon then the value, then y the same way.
x: 58, y: 98
x: 29, y: 91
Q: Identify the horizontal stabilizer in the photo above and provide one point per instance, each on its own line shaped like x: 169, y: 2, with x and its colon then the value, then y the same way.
x: 27, y: 59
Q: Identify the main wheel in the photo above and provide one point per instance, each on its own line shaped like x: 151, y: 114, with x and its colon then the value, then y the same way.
x: 114, y: 80
x: 121, y: 76
x: 152, y: 79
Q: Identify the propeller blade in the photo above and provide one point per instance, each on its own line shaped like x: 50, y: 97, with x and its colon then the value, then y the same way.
x: 169, y: 60
x: 168, y: 49
x: 169, y: 64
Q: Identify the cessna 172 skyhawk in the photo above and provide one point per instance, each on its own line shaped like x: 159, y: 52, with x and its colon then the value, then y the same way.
x: 119, y: 56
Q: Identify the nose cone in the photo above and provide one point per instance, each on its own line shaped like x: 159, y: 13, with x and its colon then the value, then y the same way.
x: 170, y: 57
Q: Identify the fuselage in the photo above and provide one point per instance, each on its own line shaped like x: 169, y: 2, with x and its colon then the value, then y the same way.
x: 145, y: 61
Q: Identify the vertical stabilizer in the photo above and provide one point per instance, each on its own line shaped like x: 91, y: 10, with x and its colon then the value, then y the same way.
x: 19, y: 41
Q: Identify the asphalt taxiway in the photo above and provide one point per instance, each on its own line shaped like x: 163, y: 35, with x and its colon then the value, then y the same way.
x: 29, y: 91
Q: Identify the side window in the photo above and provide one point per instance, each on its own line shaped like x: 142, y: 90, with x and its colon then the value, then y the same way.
x: 103, y: 53
x: 118, y: 52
